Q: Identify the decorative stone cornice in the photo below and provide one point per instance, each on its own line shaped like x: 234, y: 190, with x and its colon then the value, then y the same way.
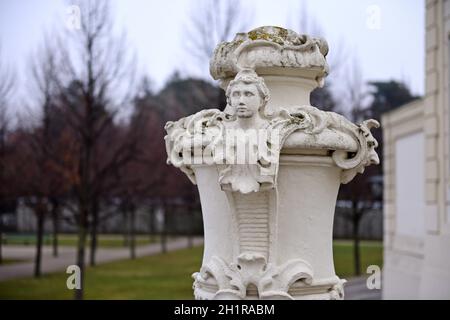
x: 271, y: 48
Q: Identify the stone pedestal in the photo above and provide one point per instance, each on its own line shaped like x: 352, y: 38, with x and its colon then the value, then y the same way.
x: 268, y: 170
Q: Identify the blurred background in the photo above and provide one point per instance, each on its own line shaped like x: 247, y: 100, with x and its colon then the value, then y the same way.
x: 85, y: 90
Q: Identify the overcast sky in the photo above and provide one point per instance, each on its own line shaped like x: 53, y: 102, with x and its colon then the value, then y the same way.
x: 386, y: 37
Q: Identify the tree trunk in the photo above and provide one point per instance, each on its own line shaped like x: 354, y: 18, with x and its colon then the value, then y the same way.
x: 1, y: 238
x: 164, y: 229
x: 55, y: 210
x: 132, y: 238
x: 151, y: 218
x: 82, y: 233
x: 191, y: 226
x: 39, y: 210
x: 94, y: 235
x: 356, y: 252
x: 125, y: 226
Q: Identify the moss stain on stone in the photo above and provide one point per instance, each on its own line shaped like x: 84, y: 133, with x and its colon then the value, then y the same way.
x: 277, y: 34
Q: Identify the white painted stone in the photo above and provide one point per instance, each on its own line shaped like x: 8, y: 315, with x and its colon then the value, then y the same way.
x: 268, y: 203
x: 435, y: 282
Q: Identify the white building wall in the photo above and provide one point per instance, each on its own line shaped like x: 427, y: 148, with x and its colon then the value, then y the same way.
x: 404, y: 201
x: 435, y: 280
x: 409, y: 257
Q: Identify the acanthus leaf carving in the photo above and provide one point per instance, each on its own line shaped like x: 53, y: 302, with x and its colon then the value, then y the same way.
x: 272, y: 282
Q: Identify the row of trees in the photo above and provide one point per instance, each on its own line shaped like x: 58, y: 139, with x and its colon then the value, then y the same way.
x: 72, y: 153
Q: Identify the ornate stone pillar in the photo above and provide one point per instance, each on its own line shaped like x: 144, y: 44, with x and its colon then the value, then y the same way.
x: 268, y: 170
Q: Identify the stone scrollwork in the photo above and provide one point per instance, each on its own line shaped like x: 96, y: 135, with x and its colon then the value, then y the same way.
x: 214, y: 137
x: 272, y: 282
x: 337, y: 291
x: 365, y: 154
x: 190, y: 136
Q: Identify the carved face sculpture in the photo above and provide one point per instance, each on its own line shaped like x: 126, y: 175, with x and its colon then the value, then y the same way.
x: 245, y: 99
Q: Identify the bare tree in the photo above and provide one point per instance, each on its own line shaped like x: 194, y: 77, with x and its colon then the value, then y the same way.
x: 358, y: 193
x: 6, y: 90
x: 99, y: 73
x: 355, y: 96
x: 44, y: 78
x: 141, y: 178
x: 212, y: 22
x: 304, y: 22
x: 55, y: 216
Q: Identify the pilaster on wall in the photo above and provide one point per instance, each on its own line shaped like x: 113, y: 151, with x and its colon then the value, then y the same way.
x: 433, y: 115
x: 446, y: 114
x: 398, y: 124
x: 403, y: 253
x: 388, y: 188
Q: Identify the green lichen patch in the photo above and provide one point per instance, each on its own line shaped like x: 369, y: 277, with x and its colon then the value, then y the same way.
x: 274, y: 34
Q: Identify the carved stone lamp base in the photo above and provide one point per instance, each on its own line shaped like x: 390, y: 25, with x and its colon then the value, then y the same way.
x: 268, y: 170
x: 278, y: 241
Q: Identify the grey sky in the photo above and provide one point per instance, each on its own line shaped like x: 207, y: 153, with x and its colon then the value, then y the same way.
x: 156, y: 30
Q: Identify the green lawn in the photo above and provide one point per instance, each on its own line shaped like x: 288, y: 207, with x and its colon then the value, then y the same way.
x: 164, y: 276
x: 371, y: 254
x: 104, y: 240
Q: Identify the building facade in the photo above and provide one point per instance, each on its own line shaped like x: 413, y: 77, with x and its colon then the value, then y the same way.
x: 417, y: 177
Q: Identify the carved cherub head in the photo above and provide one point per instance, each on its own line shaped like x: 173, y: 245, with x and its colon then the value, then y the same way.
x: 246, y: 95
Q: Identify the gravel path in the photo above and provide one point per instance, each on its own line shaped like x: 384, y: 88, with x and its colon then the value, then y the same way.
x: 67, y: 257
